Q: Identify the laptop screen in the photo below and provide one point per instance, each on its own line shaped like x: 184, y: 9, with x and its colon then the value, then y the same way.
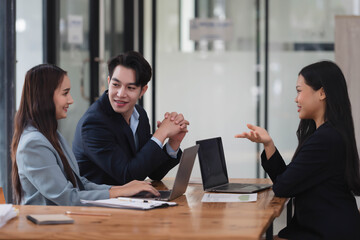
x: 212, y: 162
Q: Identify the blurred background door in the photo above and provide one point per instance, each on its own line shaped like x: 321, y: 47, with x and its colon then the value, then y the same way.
x: 89, y: 33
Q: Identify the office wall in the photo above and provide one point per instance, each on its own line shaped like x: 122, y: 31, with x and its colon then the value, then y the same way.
x: 221, y: 80
x: 300, y: 33
x: 74, y: 58
x: 212, y: 84
x: 216, y: 94
x: 216, y: 87
x: 28, y: 40
x: 347, y: 55
x: 283, y: 117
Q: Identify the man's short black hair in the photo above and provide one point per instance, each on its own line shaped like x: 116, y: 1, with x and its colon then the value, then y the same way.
x: 134, y: 61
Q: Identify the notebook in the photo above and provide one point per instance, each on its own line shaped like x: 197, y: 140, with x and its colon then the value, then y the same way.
x: 182, y: 177
x: 42, y: 219
x: 214, y: 173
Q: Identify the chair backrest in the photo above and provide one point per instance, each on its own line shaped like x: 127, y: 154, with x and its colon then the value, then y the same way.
x: 2, y: 198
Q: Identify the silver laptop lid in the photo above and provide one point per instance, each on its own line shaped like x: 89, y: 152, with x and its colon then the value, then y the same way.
x: 184, y: 171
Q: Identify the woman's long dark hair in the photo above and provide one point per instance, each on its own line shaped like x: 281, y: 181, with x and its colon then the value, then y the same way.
x: 38, y: 109
x: 327, y: 75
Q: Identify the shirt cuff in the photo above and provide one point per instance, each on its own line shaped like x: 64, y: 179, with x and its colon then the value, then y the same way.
x: 158, y: 142
x: 169, y: 150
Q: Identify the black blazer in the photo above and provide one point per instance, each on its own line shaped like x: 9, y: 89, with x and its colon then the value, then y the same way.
x: 105, y: 149
x: 324, y: 206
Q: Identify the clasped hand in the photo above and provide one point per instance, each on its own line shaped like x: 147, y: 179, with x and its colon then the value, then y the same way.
x: 174, y: 127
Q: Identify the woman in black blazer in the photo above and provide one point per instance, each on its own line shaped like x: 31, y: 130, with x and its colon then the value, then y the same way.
x: 323, y: 176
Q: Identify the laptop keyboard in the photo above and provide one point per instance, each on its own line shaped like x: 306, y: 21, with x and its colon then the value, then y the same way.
x: 164, y: 194
x: 143, y: 194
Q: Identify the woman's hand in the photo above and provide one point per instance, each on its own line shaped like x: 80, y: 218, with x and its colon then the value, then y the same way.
x: 259, y: 135
x: 132, y: 188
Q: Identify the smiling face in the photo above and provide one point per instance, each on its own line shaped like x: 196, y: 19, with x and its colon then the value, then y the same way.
x: 310, y: 102
x: 123, y: 93
x: 62, y: 98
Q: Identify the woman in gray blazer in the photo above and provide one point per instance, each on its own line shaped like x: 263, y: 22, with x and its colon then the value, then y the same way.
x: 45, y: 171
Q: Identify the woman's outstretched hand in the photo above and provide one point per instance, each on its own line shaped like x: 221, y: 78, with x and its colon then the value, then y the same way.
x: 259, y: 135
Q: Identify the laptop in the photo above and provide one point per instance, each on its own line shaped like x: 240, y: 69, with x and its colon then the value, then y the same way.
x: 214, y: 173
x: 181, y: 180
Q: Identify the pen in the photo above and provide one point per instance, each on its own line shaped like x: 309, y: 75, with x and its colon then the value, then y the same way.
x: 133, y: 200
x: 87, y: 213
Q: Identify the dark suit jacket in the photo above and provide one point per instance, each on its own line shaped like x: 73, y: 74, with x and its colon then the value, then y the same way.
x: 324, y: 206
x: 104, y: 147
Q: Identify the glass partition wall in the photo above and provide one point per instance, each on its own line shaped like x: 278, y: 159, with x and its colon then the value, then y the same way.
x: 220, y: 81
x: 209, y: 76
x: 74, y: 57
x: 300, y: 33
x: 85, y: 47
x: 217, y: 80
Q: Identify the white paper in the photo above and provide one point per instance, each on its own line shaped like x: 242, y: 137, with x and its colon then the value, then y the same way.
x: 75, y: 29
x: 217, y: 197
x: 129, y: 203
x: 7, y: 212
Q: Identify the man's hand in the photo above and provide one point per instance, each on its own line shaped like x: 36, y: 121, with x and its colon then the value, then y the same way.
x: 179, y: 119
x: 174, y: 127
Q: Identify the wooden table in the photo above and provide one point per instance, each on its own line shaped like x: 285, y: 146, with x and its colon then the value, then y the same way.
x: 191, y: 219
x: 2, y: 198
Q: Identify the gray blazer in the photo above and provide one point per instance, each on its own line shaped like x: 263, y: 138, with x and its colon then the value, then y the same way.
x: 42, y: 176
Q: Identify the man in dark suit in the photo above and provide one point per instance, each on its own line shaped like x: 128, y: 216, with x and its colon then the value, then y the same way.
x: 113, y: 144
